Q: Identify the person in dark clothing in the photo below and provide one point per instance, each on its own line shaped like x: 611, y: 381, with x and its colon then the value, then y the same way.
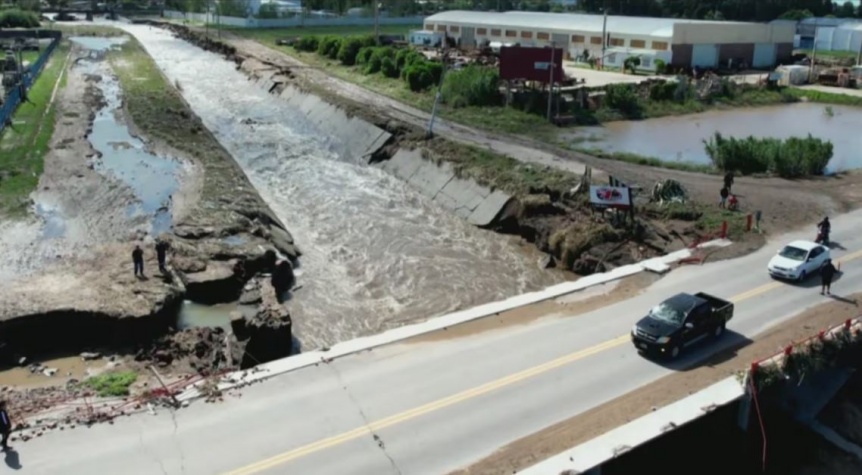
x: 5, y: 426
x: 161, y: 253
x: 724, y: 194
x: 826, y: 275
x: 728, y: 181
x: 138, y: 259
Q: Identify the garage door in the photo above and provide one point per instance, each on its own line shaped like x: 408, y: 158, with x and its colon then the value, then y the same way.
x: 704, y: 56
x: 764, y: 55
x: 468, y: 36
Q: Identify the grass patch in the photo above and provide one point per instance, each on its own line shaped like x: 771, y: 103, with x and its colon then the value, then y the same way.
x: 828, y: 54
x: 24, y: 145
x: 499, y: 171
x: 822, y: 97
x: 707, y: 217
x: 113, y: 384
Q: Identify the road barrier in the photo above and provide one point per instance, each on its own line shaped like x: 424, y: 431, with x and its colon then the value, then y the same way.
x: 14, y: 98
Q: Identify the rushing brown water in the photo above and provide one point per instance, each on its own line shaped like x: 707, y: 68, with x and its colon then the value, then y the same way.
x: 680, y: 139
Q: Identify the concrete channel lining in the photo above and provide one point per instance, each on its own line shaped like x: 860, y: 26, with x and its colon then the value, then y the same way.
x: 592, y: 454
x: 293, y: 363
x: 477, y: 204
x: 357, y: 139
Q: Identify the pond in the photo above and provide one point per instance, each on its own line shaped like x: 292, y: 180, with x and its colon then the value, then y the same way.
x: 680, y: 138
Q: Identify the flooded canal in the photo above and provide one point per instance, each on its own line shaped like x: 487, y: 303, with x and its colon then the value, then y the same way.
x: 376, y: 253
x: 680, y: 139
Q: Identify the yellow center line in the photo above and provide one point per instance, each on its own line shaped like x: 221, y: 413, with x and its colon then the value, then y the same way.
x: 470, y: 393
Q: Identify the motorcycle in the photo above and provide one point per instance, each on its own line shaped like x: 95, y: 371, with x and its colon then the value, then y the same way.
x: 822, y: 238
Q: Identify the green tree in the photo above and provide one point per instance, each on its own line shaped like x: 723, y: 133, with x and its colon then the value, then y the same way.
x: 846, y: 10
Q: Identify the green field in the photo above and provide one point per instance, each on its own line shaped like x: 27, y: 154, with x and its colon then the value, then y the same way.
x: 24, y: 145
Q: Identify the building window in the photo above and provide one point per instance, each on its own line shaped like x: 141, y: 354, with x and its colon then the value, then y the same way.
x: 637, y: 43
x: 595, y: 40
x: 481, y: 31
x: 441, y: 28
x: 526, y: 35
x: 577, y: 38
x: 454, y: 29
x: 495, y: 32
x: 543, y: 36
x: 659, y: 45
x: 511, y: 34
x: 429, y: 26
x: 617, y: 42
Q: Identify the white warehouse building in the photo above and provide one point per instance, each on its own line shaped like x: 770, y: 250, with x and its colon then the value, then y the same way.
x: 679, y: 43
x: 844, y: 37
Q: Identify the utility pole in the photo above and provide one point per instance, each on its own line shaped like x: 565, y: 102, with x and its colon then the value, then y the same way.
x: 551, y: 82
x: 604, y: 36
x: 377, y: 21
x: 430, y: 133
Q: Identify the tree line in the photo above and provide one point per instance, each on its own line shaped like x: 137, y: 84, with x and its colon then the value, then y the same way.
x: 734, y: 10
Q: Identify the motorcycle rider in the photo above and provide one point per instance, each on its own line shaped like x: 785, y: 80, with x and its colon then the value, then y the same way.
x: 825, y: 227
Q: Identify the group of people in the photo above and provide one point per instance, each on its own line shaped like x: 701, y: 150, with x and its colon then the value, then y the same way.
x: 728, y: 200
x: 161, y: 254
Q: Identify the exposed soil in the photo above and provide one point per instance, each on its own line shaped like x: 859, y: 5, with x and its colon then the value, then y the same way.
x: 69, y: 268
x: 583, y: 427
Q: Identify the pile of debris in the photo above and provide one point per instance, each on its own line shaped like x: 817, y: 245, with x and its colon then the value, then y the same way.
x: 201, y: 350
x: 268, y: 335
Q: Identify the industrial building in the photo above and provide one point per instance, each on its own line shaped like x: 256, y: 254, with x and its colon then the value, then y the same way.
x: 678, y: 43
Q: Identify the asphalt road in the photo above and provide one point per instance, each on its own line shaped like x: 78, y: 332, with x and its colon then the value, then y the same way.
x: 435, y: 406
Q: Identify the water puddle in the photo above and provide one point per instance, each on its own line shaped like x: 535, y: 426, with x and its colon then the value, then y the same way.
x: 680, y: 139
x: 67, y: 367
x: 54, y: 224
x: 234, y: 240
x: 153, y: 178
x: 194, y: 315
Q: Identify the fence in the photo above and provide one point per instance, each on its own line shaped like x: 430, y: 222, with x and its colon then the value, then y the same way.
x: 13, y: 98
x: 298, y: 21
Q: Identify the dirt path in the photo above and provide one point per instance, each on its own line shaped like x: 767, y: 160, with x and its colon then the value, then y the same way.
x: 583, y: 427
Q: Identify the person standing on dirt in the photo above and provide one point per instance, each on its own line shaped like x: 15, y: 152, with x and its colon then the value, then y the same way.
x: 161, y: 253
x: 138, y: 259
x: 728, y: 181
x: 827, y: 272
x: 5, y: 426
x: 724, y: 193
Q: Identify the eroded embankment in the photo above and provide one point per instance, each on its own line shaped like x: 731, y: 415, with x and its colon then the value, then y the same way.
x: 108, y: 191
x: 489, y: 190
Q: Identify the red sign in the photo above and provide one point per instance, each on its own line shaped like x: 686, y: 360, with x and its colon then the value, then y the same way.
x: 531, y: 64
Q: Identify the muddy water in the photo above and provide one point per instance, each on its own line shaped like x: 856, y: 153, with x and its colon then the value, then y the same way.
x: 152, y: 178
x: 377, y: 254
x: 680, y: 139
x: 199, y: 315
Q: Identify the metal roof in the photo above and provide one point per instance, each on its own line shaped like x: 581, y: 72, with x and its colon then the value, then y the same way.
x: 565, y: 22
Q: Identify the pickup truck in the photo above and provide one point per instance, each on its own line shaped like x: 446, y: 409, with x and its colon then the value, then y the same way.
x: 679, y: 322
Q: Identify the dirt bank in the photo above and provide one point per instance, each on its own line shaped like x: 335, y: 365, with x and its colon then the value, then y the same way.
x: 73, y: 285
x: 583, y: 427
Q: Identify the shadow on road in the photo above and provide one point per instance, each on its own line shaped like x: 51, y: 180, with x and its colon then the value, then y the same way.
x: 814, y: 282
x: 12, y: 459
x: 710, y: 352
x: 844, y: 299
x: 836, y: 246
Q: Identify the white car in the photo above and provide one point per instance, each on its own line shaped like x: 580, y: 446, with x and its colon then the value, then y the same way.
x: 798, y: 260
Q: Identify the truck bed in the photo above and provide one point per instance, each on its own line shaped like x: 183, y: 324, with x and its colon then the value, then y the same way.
x: 718, y: 305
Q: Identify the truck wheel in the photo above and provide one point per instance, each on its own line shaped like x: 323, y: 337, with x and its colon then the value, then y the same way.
x: 674, y: 352
x: 719, y: 330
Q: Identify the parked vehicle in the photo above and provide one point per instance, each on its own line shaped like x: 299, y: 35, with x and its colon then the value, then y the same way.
x: 680, y: 322
x: 798, y: 260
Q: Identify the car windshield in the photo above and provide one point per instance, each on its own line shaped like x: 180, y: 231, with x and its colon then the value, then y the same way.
x: 666, y: 313
x: 793, y: 253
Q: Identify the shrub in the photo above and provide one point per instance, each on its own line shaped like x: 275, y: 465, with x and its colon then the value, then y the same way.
x: 418, y: 77
x: 792, y: 158
x: 660, y: 66
x: 329, y: 46
x: 349, y: 49
x: 473, y: 85
x: 388, y: 68
x: 407, y: 57
x: 16, y: 18
x: 308, y: 44
x: 664, y: 91
x: 375, y: 61
x: 623, y: 98
x: 364, y: 55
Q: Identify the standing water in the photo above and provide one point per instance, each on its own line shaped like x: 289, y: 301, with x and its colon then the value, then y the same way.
x: 376, y: 253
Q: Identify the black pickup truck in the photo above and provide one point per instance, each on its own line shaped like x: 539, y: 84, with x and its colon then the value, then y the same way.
x: 679, y: 322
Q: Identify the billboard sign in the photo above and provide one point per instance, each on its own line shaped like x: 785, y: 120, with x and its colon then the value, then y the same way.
x: 603, y: 196
x: 531, y: 64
